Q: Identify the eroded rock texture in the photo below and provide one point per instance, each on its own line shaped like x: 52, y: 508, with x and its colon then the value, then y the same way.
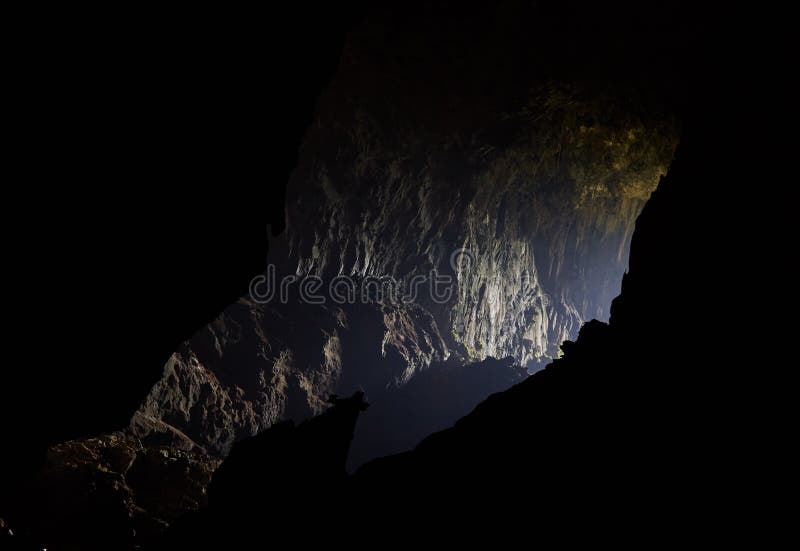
x: 543, y: 198
x: 537, y: 186
x: 115, y: 489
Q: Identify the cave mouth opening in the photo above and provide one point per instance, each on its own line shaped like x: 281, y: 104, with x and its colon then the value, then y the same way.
x: 549, y: 231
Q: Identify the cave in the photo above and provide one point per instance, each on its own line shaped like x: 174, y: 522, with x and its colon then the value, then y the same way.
x: 436, y: 253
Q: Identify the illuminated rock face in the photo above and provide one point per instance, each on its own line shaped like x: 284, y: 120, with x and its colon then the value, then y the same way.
x: 541, y: 205
x: 543, y: 201
x: 538, y: 189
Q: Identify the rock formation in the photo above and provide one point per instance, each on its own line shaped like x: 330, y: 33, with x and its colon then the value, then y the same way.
x: 525, y: 200
x: 531, y: 163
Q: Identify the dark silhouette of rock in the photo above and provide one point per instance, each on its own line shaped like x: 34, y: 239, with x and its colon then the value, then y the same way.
x: 400, y: 418
x: 270, y: 481
x: 111, y: 492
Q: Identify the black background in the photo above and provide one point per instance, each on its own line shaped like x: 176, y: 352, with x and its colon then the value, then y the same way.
x: 149, y: 152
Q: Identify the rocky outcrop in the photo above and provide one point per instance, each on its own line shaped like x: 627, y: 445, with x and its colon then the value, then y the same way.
x: 111, y: 491
x: 252, y: 366
x: 289, y: 470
